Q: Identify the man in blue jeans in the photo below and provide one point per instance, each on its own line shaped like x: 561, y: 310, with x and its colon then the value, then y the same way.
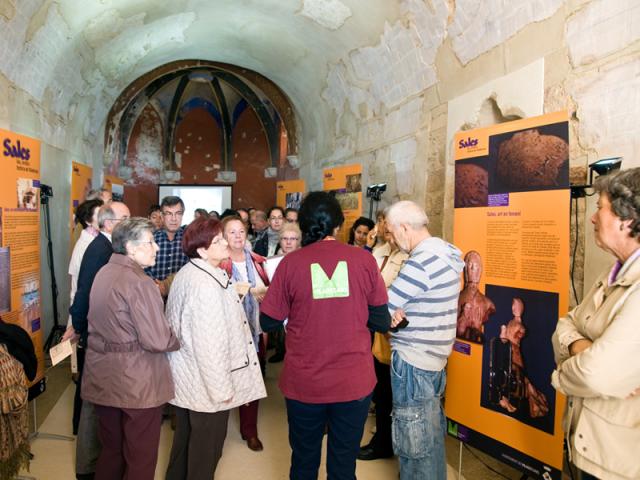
x: 426, y: 294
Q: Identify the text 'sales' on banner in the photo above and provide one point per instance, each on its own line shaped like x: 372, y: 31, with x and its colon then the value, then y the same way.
x: 20, y: 237
x: 115, y: 185
x: 289, y: 193
x: 80, y: 187
x: 346, y: 183
x: 511, y: 221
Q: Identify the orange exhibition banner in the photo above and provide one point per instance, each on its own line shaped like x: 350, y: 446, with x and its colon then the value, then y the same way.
x: 511, y: 221
x: 346, y: 183
x: 80, y: 186
x: 20, y: 237
x: 289, y: 193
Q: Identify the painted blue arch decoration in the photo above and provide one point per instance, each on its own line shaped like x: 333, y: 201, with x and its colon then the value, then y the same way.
x: 199, y: 102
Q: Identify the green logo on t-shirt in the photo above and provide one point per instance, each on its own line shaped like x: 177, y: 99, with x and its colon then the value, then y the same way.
x: 334, y: 287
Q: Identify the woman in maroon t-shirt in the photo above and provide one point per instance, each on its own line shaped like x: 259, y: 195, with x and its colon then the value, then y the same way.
x: 332, y: 294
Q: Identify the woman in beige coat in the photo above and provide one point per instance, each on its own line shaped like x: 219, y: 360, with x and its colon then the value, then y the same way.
x: 597, y: 344
x: 126, y: 373
x: 216, y: 368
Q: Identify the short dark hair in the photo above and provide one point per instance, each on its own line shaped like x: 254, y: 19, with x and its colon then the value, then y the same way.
x: 290, y: 210
x: 360, y: 221
x: 320, y: 214
x: 84, y: 211
x: 199, y: 234
x: 170, y: 201
x: 229, y: 212
x: 154, y: 208
x: 275, y: 208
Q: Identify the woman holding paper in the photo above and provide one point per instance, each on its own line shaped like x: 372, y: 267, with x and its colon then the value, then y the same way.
x: 596, y: 345
x: 246, y: 270
x: 216, y: 368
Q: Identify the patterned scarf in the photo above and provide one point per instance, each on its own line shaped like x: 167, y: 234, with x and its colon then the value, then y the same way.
x: 249, y: 303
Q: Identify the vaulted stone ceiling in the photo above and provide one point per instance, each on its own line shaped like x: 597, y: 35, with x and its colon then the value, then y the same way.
x: 75, y: 57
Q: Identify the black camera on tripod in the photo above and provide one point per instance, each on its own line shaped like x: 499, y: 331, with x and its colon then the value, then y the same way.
x: 46, y: 192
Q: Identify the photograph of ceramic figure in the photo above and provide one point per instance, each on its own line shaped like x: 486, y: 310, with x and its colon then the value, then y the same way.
x: 474, y: 307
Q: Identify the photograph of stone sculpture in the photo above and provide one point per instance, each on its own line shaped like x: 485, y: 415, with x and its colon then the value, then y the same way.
x: 471, y: 184
x: 354, y: 182
x: 528, y: 160
x: 517, y: 357
x: 27, y: 194
x: 347, y: 201
x: 474, y: 308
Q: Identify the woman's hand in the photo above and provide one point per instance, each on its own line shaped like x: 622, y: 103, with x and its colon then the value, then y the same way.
x: 579, y: 346
x: 258, y: 293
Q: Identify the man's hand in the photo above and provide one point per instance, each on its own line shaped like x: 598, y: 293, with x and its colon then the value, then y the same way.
x: 397, y: 317
x: 70, y: 334
x: 579, y: 346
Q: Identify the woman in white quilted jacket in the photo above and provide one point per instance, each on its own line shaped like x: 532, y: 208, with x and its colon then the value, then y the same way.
x: 216, y: 368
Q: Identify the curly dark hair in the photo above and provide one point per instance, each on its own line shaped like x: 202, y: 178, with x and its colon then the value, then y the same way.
x: 623, y: 190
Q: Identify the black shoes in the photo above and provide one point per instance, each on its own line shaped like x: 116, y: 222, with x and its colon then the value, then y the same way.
x: 369, y: 452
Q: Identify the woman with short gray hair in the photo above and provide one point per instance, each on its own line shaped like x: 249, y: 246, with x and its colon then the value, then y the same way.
x: 597, y: 343
x: 127, y: 374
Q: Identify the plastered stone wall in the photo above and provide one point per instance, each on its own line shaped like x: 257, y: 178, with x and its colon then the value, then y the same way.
x: 590, y: 52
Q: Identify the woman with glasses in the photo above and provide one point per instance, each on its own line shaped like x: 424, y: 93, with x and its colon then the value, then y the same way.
x: 216, y: 368
x: 290, y: 236
x: 126, y: 373
x: 246, y: 267
x: 268, y: 243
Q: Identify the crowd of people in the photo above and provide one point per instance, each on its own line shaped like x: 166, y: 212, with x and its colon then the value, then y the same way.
x: 181, y: 315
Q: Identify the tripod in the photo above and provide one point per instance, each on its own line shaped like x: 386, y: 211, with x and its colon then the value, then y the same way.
x: 57, y: 330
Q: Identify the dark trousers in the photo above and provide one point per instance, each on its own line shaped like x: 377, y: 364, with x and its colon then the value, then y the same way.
x: 197, y: 444
x: 77, y: 400
x: 130, y: 438
x: 345, y: 423
x: 381, y: 440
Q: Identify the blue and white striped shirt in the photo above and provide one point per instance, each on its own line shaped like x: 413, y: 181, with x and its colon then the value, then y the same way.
x: 427, y: 289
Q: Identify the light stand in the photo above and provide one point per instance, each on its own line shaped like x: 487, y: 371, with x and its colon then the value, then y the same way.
x: 374, y: 192
x: 601, y: 167
x: 46, y: 193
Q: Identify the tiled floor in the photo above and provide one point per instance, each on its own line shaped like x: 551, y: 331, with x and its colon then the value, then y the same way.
x: 54, y: 459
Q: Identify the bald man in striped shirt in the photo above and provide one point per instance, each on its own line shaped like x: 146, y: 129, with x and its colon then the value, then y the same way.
x: 425, y: 293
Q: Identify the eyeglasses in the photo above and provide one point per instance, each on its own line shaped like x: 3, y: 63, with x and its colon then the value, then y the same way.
x: 172, y: 214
